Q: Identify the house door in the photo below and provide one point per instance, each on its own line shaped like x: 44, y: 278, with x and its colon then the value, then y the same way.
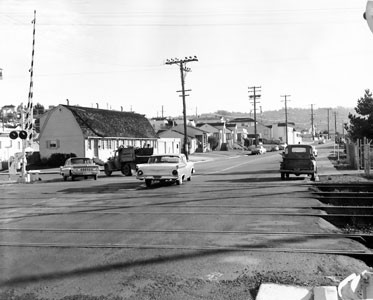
x: 95, y: 148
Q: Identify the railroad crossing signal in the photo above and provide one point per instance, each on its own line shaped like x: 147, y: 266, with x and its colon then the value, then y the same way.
x: 14, y: 135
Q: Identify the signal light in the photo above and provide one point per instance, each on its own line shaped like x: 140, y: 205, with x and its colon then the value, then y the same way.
x: 14, y: 135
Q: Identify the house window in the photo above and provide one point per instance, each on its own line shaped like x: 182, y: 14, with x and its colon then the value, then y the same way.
x: 89, y: 144
x: 102, y: 144
x: 53, y: 144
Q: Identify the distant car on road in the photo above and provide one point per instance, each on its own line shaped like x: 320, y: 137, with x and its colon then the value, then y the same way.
x: 314, y: 151
x: 298, y: 159
x: 165, y: 167
x: 275, y: 148
x: 79, y: 167
x: 258, y: 150
x: 282, y: 146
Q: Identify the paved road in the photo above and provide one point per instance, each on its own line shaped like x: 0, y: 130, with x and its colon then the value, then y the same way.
x: 164, y: 242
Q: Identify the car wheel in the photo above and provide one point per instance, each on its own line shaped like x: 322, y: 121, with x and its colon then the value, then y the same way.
x: 148, y: 182
x: 189, y: 178
x: 107, y: 170
x: 179, y: 181
x: 126, y: 170
x: 65, y: 178
x: 313, y: 177
x: 95, y: 177
x: 287, y: 175
x: 72, y: 176
x: 282, y: 176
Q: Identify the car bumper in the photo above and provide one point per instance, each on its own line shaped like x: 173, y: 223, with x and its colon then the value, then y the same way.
x: 298, y: 172
x: 157, y: 177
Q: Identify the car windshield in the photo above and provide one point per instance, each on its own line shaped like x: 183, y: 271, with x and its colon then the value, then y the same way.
x: 77, y: 161
x: 163, y: 159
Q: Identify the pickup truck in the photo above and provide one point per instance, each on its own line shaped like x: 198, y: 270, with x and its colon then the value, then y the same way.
x: 298, y: 159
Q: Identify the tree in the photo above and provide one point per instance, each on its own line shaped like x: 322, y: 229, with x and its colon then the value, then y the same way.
x: 38, y: 109
x: 361, y: 125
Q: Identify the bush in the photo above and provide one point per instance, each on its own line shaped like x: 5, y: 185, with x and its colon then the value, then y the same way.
x: 58, y: 159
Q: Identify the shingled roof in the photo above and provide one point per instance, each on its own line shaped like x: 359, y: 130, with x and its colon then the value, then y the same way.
x: 111, y: 123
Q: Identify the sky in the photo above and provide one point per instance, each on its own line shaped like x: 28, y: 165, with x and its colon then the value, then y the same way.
x: 112, y: 54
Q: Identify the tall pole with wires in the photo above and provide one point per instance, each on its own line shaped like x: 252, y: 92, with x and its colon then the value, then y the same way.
x: 286, y: 117
x: 255, y: 90
x: 183, y: 70
x: 312, y: 125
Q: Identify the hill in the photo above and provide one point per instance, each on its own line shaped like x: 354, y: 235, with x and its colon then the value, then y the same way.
x: 300, y: 116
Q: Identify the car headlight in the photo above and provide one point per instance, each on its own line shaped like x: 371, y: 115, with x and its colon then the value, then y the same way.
x: 174, y: 172
x: 139, y: 172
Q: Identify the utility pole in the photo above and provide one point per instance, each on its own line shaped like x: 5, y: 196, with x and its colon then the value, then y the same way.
x: 312, y: 131
x: 2, y: 112
x: 183, y: 70
x: 286, y: 116
x: 328, y: 109
x: 255, y: 90
x: 335, y: 126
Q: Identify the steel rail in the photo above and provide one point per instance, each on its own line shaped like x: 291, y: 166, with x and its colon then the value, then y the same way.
x: 190, y: 247
x: 358, y: 254
x: 323, y: 207
x: 196, y: 231
x: 190, y: 213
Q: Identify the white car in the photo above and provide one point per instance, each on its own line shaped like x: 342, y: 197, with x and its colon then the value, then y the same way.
x: 79, y: 166
x: 258, y: 150
x: 165, y: 167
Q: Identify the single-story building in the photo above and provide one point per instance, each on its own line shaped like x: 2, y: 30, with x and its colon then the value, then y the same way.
x: 93, y: 132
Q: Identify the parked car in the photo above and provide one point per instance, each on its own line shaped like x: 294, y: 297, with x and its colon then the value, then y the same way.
x: 258, y: 150
x: 165, y: 167
x: 282, y: 146
x: 298, y: 159
x: 275, y: 148
x: 321, y: 141
x: 79, y: 167
x: 314, y: 151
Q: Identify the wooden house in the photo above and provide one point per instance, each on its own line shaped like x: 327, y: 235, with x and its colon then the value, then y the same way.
x: 92, y: 132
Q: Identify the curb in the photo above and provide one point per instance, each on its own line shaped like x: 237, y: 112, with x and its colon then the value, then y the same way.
x: 271, y: 291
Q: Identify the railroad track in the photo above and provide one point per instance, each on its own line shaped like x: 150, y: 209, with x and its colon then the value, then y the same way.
x: 338, y: 215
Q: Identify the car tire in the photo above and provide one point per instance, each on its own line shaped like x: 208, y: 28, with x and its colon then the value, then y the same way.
x: 189, y: 178
x: 282, y: 176
x: 287, y: 175
x: 72, y: 177
x: 65, y: 178
x: 107, y: 170
x: 95, y: 177
x: 126, y: 170
x: 148, y: 182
